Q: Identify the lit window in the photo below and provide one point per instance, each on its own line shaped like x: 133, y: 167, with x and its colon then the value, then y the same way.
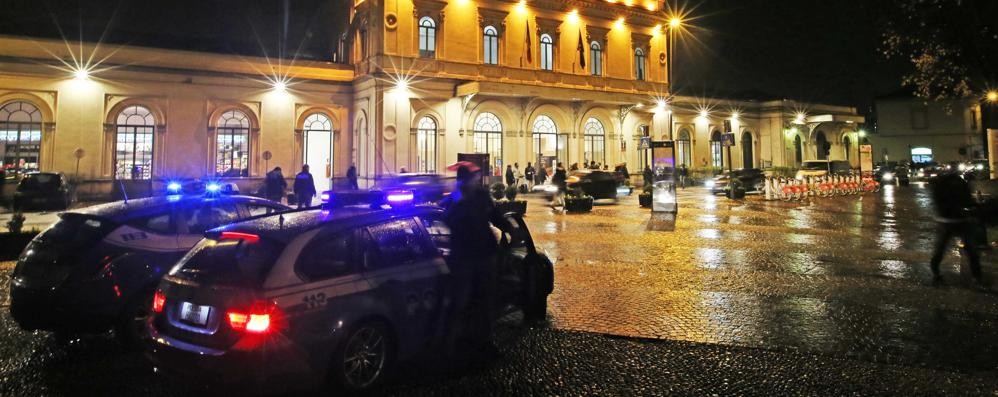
x: 639, y: 64
x: 426, y: 144
x: 133, y: 143
x: 716, y: 153
x: 427, y: 37
x: 596, y: 58
x: 491, y: 45
x: 547, y: 52
x: 684, y: 148
x: 20, y: 137
x: 595, y: 141
x: 232, y: 145
x: 488, y: 138
x: 550, y: 147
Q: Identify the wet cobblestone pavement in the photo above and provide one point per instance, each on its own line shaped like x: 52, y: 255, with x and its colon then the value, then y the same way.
x: 743, y: 298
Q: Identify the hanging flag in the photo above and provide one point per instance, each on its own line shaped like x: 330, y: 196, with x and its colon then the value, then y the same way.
x: 582, y: 51
x: 528, y: 43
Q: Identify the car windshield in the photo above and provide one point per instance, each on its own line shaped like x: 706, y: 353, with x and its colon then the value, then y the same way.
x: 815, y: 165
x: 40, y: 182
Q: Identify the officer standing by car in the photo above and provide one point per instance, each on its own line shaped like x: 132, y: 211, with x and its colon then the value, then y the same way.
x: 352, y: 177
x: 304, y: 187
x: 274, y: 185
x: 529, y: 173
x: 468, y: 212
x: 954, y: 204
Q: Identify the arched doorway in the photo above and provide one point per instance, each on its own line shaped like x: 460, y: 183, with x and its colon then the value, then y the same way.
x: 549, y: 146
x: 798, y: 151
x: 133, y: 146
x: 821, y: 146
x: 318, y: 150
x: 747, y: 160
x: 847, y: 146
x: 684, y: 148
x: 20, y: 138
x: 716, y: 150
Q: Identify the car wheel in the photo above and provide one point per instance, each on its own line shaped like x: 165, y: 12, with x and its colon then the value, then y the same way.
x: 131, y: 328
x: 362, y: 359
x: 536, y: 309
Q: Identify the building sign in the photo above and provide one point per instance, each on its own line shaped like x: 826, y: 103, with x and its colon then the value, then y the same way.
x: 663, y: 193
x: 645, y: 143
x: 865, y: 158
x: 728, y: 140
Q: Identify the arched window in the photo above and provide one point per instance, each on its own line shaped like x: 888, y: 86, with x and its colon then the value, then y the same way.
x: 748, y: 158
x: 490, y: 45
x: 547, y: 52
x: 317, y: 133
x: 821, y: 146
x: 716, y: 150
x: 548, y: 143
x: 684, y: 148
x: 639, y: 64
x: 133, y: 143
x: 232, y: 144
x: 427, y: 37
x: 488, y: 139
x: 596, y: 58
x: 595, y: 141
x: 21, y: 136
x: 426, y: 145
x: 847, y: 146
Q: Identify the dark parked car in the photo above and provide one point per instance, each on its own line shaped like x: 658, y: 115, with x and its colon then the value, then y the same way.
x: 752, y: 179
x: 96, y: 267
x: 892, y: 175
x: 43, y: 190
x: 598, y: 184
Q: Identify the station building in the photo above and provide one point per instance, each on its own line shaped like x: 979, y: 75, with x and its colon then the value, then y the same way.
x: 410, y: 85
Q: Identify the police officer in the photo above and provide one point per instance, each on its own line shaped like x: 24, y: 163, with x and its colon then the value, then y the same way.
x: 468, y: 211
x: 275, y: 184
x: 953, y: 201
x: 304, y: 187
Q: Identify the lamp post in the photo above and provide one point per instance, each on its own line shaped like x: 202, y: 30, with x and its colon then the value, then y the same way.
x: 859, y: 142
x: 674, y: 23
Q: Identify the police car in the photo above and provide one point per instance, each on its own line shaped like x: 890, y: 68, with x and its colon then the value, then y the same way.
x: 323, y: 296
x: 96, y: 267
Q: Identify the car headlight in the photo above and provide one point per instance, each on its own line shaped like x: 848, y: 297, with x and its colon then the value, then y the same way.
x: 921, y: 173
x: 979, y: 167
x: 710, y: 183
x: 961, y: 167
x: 888, y: 176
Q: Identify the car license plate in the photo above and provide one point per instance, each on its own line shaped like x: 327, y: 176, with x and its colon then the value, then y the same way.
x: 194, y: 314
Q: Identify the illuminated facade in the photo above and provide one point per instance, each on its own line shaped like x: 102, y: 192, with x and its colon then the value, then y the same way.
x: 424, y: 80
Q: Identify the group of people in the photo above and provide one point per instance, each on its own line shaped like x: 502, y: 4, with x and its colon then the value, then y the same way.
x: 275, y: 186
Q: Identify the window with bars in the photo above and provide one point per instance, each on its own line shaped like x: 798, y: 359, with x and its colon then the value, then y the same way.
x: 133, y: 148
x: 594, y: 136
x: 21, y: 137
x: 427, y: 37
x: 716, y: 150
x: 490, y: 45
x: 488, y: 138
x: 639, y: 64
x: 426, y: 145
x: 232, y: 144
x: 684, y: 148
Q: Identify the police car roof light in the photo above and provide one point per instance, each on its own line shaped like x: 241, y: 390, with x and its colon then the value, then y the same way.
x: 212, y: 188
x: 399, y: 197
x: 174, y: 187
x: 325, y: 196
x: 247, y: 237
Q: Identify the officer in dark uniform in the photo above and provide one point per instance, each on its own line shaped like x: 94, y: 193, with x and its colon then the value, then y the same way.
x: 954, y: 205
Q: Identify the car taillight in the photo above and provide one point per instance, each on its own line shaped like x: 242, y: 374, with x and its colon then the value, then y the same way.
x: 158, y: 301
x: 258, y: 320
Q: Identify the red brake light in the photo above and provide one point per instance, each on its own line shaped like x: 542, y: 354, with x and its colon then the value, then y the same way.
x: 158, y: 301
x: 258, y: 320
x: 247, y: 237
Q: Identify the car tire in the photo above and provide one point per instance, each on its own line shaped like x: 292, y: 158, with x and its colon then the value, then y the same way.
x: 131, y: 327
x: 368, y: 348
x: 536, y: 309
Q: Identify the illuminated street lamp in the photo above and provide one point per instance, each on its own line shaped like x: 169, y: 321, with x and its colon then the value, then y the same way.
x: 859, y: 141
x: 992, y: 96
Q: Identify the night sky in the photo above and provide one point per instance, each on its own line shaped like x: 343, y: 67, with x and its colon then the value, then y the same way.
x: 812, y: 50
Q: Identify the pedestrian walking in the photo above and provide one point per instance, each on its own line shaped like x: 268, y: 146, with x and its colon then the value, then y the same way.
x: 954, y: 208
x: 684, y: 174
x: 542, y: 175
x: 304, y: 188
x: 559, y: 179
x: 274, y: 185
x: 510, y: 176
x: 647, y: 175
x: 530, y: 173
x: 352, y: 177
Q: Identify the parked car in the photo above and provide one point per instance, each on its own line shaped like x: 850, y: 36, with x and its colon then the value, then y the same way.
x: 888, y: 175
x: 814, y: 168
x: 335, y: 295
x: 43, y: 190
x: 752, y: 179
x: 95, y: 268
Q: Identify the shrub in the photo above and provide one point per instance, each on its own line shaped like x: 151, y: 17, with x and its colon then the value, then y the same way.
x: 16, y: 222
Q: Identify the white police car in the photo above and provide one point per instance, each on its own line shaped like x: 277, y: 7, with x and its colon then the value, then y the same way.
x: 323, y: 295
x: 96, y: 267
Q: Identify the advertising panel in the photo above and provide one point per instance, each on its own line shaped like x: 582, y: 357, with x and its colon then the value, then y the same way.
x: 663, y: 194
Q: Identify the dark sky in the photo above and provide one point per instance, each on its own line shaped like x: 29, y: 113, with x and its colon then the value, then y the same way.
x: 812, y: 50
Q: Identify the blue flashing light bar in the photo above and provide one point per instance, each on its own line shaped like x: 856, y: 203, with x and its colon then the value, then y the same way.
x: 174, y: 187
x: 399, y: 197
x: 212, y: 188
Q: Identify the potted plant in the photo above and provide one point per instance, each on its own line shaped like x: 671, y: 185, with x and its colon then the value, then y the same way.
x: 509, y: 203
x: 645, y: 197
x: 581, y: 203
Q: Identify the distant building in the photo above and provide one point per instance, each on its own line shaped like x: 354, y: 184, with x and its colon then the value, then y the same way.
x: 916, y: 130
x: 408, y: 85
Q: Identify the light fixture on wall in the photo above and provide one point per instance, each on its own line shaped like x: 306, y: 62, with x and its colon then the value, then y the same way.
x: 81, y: 74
